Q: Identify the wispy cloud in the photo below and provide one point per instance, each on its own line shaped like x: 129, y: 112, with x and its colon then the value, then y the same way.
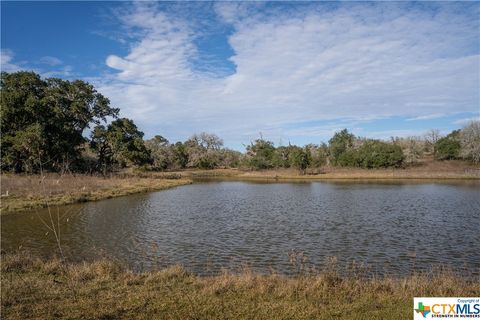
x: 51, y: 61
x: 466, y: 120
x: 55, y: 68
x: 6, y: 61
x: 63, y: 71
x: 382, y: 60
x: 291, y: 63
x: 427, y: 117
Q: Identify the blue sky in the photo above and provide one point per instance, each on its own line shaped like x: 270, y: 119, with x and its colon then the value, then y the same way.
x: 294, y: 72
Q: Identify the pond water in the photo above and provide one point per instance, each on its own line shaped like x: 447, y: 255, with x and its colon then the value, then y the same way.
x: 392, y: 227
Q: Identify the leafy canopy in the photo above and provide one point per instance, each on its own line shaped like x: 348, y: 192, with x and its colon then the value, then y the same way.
x: 43, y: 120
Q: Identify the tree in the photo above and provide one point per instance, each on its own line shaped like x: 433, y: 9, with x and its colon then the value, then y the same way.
x: 412, y: 147
x: 100, y: 144
x: 160, y: 151
x: 59, y: 110
x: 281, y: 157
x: 76, y: 106
x: 260, y: 154
x: 21, y: 113
x: 28, y: 149
x: 209, y: 141
x: 127, y: 143
x: 229, y: 158
x: 431, y: 138
x: 121, y: 143
x: 318, y: 154
x: 300, y: 159
x: 340, y: 143
x: 204, y: 150
x: 180, y: 155
x: 448, y: 148
x: 470, y: 141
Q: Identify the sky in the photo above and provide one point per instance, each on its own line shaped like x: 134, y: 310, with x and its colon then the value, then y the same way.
x: 291, y: 72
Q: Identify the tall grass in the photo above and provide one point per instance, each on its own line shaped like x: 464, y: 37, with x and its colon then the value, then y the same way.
x: 42, y: 289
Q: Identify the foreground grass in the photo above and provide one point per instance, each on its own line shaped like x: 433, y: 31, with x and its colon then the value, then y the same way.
x: 21, y: 193
x: 48, y: 289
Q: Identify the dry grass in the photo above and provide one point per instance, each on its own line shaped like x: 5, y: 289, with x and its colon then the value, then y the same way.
x: 48, y: 289
x: 426, y: 169
x: 30, y: 192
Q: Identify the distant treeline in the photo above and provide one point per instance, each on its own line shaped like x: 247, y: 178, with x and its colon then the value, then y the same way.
x: 43, y: 122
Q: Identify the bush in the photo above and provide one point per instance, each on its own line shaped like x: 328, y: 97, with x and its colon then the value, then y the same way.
x: 379, y: 154
x: 261, y: 154
x: 300, y: 158
x: 340, y: 143
x: 318, y: 155
x: 448, y: 148
x: 373, y: 154
x: 348, y: 159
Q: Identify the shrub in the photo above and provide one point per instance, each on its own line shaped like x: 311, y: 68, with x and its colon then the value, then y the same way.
x: 448, y: 148
x: 379, y: 154
x: 340, y: 143
x: 261, y: 154
x: 300, y: 158
x: 318, y: 155
x: 373, y: 154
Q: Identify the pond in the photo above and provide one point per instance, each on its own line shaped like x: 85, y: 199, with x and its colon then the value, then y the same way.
x: 390, y: 227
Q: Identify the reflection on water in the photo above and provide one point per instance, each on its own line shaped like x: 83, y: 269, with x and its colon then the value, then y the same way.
x: 392, y: 227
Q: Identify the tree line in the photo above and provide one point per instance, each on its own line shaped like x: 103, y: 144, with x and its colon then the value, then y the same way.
x: 44, y: 124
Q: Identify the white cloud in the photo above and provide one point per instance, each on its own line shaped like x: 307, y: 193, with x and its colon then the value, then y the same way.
x: 64, y: 72
x: 357, y: 61
x: 51, y: 61
x: 7, y: 64
x: 427, y: 117
x: 401, y: 133
x: 466, y: 120
x: 6, y: 57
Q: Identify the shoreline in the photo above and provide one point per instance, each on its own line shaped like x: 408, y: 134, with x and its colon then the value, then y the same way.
x: 116, y: 187
x: 21, y: 193
x: 335, y: 174
x: 49, y: 288
x: 304, y: 178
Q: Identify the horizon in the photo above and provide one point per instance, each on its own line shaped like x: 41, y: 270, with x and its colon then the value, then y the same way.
x: 291, y: 72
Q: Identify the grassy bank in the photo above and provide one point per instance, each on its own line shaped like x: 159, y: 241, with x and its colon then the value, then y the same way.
x: 47, y: 289
x: 21, y: 193
x: 427, y: 169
